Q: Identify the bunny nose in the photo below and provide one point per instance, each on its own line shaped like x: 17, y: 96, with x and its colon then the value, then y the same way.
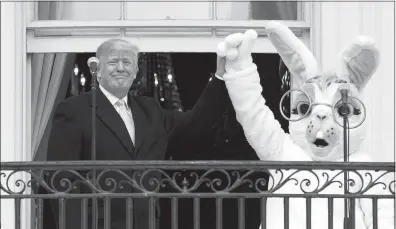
x: 321, y: 116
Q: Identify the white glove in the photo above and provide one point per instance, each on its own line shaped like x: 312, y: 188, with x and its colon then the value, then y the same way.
x: 237, y: 48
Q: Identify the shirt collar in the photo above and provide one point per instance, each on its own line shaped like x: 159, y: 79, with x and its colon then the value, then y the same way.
x: 113, y: 99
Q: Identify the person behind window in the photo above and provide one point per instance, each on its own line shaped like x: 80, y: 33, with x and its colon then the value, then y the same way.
x: 127, y: 128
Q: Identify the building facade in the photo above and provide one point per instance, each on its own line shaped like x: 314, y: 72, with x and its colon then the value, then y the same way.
x: 325, y: 26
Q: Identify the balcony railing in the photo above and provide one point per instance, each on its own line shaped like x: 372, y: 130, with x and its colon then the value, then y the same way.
x: 137, y: 185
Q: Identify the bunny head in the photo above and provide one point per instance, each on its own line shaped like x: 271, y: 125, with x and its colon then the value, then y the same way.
x: 319, y: 128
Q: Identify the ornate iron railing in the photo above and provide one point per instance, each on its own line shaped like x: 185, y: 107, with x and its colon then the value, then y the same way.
x: 131, y: 180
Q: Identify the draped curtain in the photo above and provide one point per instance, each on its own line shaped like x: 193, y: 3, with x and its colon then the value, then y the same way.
x: 257, y: 10
x: 279, y: 10
x: 50, y: 78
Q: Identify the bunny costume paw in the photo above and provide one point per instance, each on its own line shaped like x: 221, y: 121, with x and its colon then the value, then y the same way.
x: 237, y: 48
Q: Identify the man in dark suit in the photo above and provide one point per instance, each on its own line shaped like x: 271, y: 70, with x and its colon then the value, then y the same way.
x: 127, y: 128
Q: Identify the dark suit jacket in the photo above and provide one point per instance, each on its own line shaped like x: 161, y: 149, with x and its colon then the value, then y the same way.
x: 71, y: 134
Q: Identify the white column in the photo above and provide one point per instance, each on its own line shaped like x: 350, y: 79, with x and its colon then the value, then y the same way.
x: 8, y: 108
x: 14, y: 115
x: 340, y: 22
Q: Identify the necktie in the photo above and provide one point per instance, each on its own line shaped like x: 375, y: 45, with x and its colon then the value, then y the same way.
x: 127, y: 118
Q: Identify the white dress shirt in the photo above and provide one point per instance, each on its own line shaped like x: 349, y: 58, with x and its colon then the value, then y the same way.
x: 113, y: 100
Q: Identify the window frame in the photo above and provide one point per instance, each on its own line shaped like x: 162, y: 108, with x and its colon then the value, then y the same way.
x: 152, y: 35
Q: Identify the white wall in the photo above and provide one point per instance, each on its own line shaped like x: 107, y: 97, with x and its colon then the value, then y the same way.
x: 340, y: 23
x: 14, y: 144
x: 8, y: 81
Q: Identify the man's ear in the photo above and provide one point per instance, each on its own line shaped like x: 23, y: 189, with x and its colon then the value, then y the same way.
x: 358, y: 62
x: 297, y: 57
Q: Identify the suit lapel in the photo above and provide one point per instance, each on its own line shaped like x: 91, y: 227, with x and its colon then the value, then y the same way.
x: 110, y: 117
x: 140, y: 120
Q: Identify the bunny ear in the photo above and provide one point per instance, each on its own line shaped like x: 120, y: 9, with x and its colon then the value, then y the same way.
x: 296, y: 56
x: 359, y: 61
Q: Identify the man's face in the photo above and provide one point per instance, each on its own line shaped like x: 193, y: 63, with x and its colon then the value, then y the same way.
x: 118, y: 68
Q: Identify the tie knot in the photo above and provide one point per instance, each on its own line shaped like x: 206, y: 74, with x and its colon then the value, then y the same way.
x: 121, y: 103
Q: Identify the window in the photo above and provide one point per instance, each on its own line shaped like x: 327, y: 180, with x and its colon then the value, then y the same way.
x: 157, y: 26
x: 57, y: 31
x: 159, y: 10
x: 258, y: 10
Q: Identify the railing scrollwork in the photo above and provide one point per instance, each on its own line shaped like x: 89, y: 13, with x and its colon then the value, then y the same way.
x: 218, y: 177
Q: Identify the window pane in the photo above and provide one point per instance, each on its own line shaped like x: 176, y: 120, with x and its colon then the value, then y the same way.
x: 168, y: 10
x: 257, y: 10
x: 84, y: 11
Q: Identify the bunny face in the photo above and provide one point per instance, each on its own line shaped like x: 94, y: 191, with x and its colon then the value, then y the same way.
x: 318, y: 129
x: 319, y: 133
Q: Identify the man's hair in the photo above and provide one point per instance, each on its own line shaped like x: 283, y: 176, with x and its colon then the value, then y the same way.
x: 105, y: 46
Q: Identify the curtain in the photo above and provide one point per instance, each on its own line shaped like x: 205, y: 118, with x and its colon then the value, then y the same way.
x: 257, y: 10
x: 48, y: 72
x: 279, y: 10
x: 53, y: 89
